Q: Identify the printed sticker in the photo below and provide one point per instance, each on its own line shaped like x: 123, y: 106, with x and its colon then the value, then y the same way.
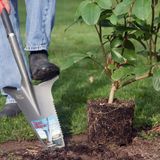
x: 47, y: 128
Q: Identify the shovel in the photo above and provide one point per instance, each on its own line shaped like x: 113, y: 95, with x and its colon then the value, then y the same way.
x: 35, y: 101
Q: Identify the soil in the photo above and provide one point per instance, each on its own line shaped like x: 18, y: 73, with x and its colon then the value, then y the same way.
x: 110, y: 123
x: 80, y: 147
x: 77, y: 148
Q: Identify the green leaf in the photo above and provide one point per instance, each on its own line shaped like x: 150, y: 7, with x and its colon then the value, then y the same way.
x: 105, y: 23
x: 83, y: 4
x: 71, y: 60
x: 157, y: 20
x: 116, y: 55
x: 129, y: 52
x: 90, y: 54
x: 116, y: 50
x: 111, y: 67
x: 142, y: 25
x: 122, y: 7
x: 91, y: 13
x: 130, y: 55
x: 121, y: 73
x: 116, y: 43
x: 142, y: 9
x: 156, y: 80
x: 128, y: 45
x: 113, y: 19
x: 105, y: 4
x: 139, y: 70
x: 138, y: 34
x: 79, y: 9
x: 122, y: 28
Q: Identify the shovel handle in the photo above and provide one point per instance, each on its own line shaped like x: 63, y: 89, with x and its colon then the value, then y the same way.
x: 2, y: 6
x: 5, y: 18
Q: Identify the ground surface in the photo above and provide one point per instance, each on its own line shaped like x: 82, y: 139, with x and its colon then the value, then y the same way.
x: 78, y: 149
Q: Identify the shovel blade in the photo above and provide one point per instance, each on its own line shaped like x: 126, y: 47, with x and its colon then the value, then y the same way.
x: 40, y: 112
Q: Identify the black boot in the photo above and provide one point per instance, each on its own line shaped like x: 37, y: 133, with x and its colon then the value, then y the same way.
x: 10, y: 110
x: 41, y: 68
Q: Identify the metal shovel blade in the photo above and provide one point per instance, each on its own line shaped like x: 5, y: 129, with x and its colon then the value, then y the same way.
x: 40, y: 112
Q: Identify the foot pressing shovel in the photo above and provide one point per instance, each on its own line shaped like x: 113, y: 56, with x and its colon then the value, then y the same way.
x: 35, y: 101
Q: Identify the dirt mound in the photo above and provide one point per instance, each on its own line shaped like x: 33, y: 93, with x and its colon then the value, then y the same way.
x: 77, y: 148
x: 83, y: 152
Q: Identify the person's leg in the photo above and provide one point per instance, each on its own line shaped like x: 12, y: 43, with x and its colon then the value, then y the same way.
x: 9, y: 73
x: 40, y: 21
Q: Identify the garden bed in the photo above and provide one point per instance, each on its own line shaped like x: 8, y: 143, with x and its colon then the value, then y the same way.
x: 77, y: 148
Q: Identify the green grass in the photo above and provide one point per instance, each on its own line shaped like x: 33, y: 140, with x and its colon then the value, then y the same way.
x: 73, y: 89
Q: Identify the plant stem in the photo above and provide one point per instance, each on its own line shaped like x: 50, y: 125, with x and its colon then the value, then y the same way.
x: 146, y: 75
x: 155, y: 42
x: 151, y: 42
x: 156, y: 37
x: 99, y: 32
x: 112, y: 92
x: 150, y: 50
x: 153, y: 15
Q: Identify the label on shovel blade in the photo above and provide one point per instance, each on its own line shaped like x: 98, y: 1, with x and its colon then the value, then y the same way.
x: 47, y: 128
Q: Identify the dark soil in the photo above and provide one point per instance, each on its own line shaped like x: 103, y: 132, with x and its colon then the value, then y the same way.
x: 77, y: 148
x: 110, y: 123
x: 81, y: 148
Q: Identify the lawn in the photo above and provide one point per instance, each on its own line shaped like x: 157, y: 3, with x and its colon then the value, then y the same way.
x: 74, y: 87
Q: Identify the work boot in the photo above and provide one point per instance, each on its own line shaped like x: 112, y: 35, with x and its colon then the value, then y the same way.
x: 10, y: 110
x: 40, y: 67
